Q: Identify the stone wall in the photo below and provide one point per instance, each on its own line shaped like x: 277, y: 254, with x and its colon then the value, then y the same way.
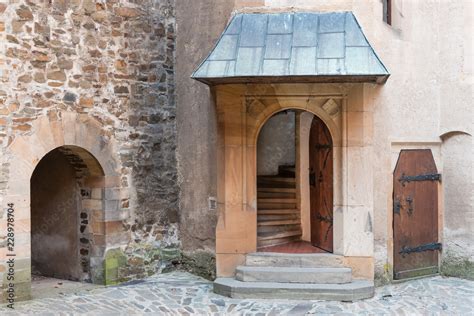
x: 110, y: 63
x: 276, y: 143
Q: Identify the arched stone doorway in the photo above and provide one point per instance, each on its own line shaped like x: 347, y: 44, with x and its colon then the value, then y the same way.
x: 67, y: 215
x: 242, y: 111
x: 294, y: 184
x: 84, y: 141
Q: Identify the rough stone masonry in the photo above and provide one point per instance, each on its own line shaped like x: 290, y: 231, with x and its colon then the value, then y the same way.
x: 113, y: 61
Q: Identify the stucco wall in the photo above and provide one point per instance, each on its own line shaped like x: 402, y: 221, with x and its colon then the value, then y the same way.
x: 458, y: 179
x: 199, y: 25
x: 276, y: 143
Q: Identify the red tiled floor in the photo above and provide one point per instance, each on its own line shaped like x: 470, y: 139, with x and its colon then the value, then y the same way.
x: 293, y: 247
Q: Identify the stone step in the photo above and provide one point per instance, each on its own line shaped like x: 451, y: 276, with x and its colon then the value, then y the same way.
x: 279, y: 222
x: 278, y: 211
x: 273, y: 206
x: 266, y: 179
x: 262, y: 244
x: 269, y: 232
x: 276, y: 200
x: 294, y: 275
x: 303, y: 260
x: 356, y: 290
x: 275, y: 190
x: 283, y: 195
x: 276, y: 217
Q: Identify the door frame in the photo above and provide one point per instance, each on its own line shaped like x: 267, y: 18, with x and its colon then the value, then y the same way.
x: 241, y: 111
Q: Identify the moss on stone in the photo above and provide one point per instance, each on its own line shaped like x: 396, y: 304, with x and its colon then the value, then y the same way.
x: 201, y: 263
x: 115, y: 259
x: 170, y: 254
x: 457, y: 267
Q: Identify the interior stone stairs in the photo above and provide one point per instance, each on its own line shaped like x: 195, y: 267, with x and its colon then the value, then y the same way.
x: 315, y: 276
x: 278, y: 217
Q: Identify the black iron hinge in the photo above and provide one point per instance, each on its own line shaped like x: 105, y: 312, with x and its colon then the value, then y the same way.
x: 420, y: 177
x: 431, y: 246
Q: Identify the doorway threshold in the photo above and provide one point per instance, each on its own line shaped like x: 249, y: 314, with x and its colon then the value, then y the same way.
x: 293, y: 247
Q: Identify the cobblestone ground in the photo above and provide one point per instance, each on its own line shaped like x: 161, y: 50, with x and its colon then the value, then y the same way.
x: 180, y: 293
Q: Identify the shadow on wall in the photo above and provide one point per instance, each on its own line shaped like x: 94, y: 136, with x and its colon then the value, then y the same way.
x: 458, y: 185
x: 276, y: 143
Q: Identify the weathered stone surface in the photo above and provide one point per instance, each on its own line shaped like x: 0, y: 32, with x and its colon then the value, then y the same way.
x: 25, y: 78
x: 86, y: 102
x: 127, y: 12
x: 24, y: 13
x: 56, y: 75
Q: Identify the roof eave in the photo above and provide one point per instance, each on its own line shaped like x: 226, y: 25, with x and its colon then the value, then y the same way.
x: 376, y: 78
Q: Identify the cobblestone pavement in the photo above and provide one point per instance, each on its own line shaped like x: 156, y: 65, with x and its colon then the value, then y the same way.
x: 180, y: 293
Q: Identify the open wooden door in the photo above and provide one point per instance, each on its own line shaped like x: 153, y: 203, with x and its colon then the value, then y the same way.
x: 415, y: 214
x: 321, y: 185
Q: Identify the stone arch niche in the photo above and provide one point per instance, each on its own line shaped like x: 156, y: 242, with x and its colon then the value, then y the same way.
x: 80, y: 140
x: 67, y: 215
x: 242, y: 111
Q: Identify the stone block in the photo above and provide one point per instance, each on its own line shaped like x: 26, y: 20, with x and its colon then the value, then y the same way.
x: 227, y: 263
x: 96, y: 193
x: 362, y: 267
x: 112, y: 194
x: 114, y: 227
x: 90, y: 204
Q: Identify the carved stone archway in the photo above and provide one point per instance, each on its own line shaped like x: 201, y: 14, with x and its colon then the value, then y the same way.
x: 242, y: 111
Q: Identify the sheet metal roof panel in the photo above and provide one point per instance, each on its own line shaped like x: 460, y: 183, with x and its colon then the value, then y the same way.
x: 332, y: 22
x: 288, y: 45
x: 226, y: 49
x: 234, y: 26
x: 354, y: 35
x: 254, y: 30
x: 278, y: 46
x: 304, y: 28
x: 303, y: 61
x: 280, y: 23
x: 331, y: 45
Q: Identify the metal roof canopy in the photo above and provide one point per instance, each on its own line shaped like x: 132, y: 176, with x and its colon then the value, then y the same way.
x: 292, y: 47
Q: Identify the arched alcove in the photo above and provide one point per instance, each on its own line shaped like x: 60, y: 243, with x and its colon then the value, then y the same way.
x: 66, y: 213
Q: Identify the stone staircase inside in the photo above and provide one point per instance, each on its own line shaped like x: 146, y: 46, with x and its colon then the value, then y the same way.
x: 315, y: 276
x: 278, y: 216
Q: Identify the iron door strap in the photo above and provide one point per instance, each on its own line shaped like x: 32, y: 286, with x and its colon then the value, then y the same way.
x: 420, y: 177
x: 431, y: 246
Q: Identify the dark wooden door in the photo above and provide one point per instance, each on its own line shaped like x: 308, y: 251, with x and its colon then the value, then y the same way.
x: 321, y: 185
x: 415, y: 214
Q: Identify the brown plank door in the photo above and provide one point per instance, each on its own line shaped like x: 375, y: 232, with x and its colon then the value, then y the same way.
x: 321, y: 185
x: 415, y: 214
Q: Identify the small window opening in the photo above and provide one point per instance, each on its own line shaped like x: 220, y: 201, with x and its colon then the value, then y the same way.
x: 387, y: 11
